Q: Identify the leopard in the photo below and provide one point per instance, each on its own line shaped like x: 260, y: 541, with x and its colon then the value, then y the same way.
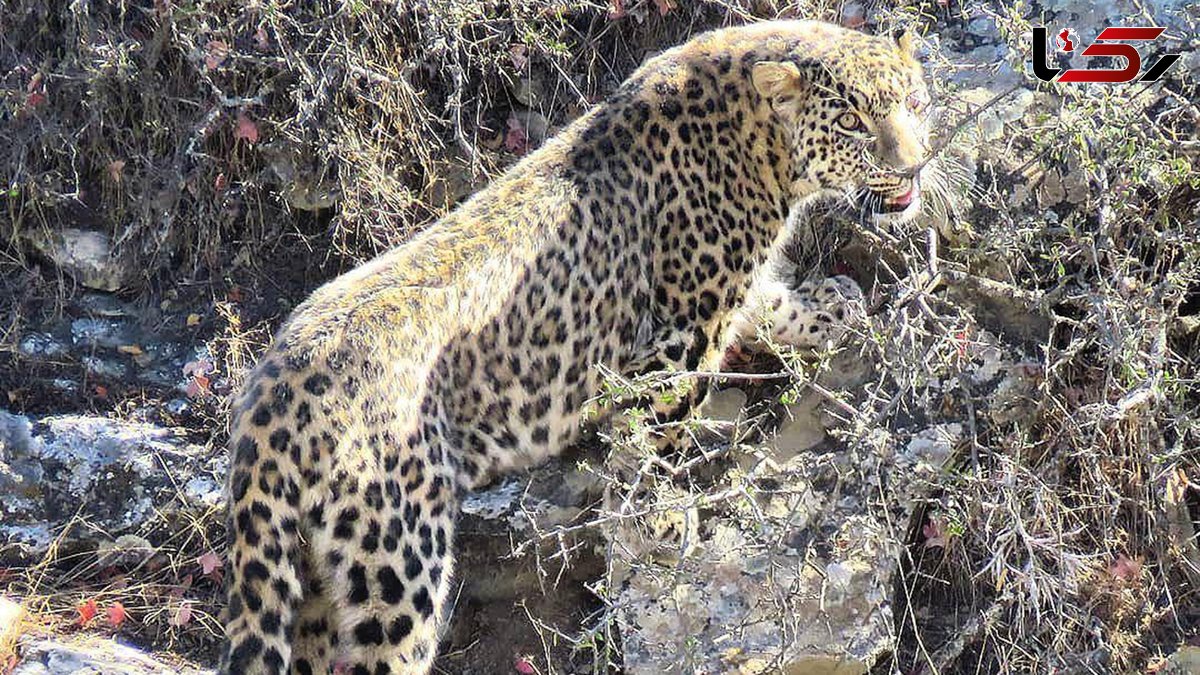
x: 624, y: 244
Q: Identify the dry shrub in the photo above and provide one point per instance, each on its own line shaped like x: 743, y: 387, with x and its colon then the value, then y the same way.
x: 185, y: 128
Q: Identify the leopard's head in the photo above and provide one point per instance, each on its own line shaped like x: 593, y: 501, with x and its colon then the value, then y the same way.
x: 854, y: 108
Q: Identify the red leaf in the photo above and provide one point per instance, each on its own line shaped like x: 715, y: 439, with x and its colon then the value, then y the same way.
x: 198, y: 387
x: 516, y: 140
x: 664, y: 6
x: 853, y: 15
x: 962, y: 340
x: 182, y: 616
x: 1125, y: 568
x: 199, y: 367
x: 116, y: 614
x: 220, y: 183
x: 935, y: 537
x: 246, y: 129
x: 261, y: 40
x: 184, y: 584
x: 34, y: 99
x: 616, y: 9
x: 116, y: 170
x: 87, y: 612
x: 523, y: 666
x: 209, y: 562
x: 214, y: 54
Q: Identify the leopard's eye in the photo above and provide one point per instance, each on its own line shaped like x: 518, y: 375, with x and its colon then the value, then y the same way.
x: 851, y: 121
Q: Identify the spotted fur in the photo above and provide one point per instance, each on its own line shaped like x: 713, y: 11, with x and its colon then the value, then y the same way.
x: 812, y: 314
x: 469, y: 351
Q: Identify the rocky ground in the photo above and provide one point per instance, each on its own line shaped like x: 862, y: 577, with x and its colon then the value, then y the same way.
x: 995, y: 472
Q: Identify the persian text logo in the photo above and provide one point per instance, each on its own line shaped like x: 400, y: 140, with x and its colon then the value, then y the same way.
x: 1106, y: 45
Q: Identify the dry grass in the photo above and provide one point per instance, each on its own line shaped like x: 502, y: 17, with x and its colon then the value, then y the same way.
x: 125, y: 117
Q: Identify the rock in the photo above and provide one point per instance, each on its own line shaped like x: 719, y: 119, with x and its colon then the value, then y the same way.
x: 494, y: 503
x: 792, y: 566
x: 796, y: 578
x: 451, y: 182
x: 41, y: 345
x: 116, y: 342
x: 116, y: 475
x: 18, y: 470
x: 527, y: 90
x: 305, y: 183
x: 520, y: 559
x: 1186, y: 661
x: 801, y: 430
x: 724, y: 405
x: 104, y: 368
x: 1191, y: 61
x: 85, y: 255
x: 178, y: 406
x: 535, y: 124
x: 311, y: 195
x: 104, y: 304
x: 126, y: 550
x: 92, y: 656
x: 122, y: 477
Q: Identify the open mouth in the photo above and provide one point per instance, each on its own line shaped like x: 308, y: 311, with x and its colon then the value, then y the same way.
x: 898, y: 203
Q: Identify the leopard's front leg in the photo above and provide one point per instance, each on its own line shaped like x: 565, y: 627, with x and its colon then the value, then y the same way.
x: 675, y: 363
x: 672, y: 366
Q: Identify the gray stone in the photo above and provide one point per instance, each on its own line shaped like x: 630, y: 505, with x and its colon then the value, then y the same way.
x: 535, y: 124
x: 116, y: 475
x: 305, y: 184
x: 107, y: 332
x: 1186, y: 661
x: 104, y: 368
x: 794, y: 579
x: 41, y: 345
x: 85, y: 255
x: 528, y: 90
x: 792, y: 569
x: 518, y: 549
x: 93, y: 656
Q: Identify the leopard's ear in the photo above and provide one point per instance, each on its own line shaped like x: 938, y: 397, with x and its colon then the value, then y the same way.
x: 775, y: 79
x: 784, y: 85
x: 906, y: 42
